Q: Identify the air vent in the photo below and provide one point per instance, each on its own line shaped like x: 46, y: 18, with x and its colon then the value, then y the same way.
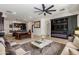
x: 11, y: 12
x: 62, y: 9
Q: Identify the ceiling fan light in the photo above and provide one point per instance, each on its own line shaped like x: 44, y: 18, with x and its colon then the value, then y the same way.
x: 44, y: 14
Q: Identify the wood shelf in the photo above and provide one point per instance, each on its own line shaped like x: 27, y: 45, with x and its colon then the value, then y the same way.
x: 59, y: 27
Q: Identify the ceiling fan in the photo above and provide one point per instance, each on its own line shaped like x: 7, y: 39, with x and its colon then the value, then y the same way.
x: 44, y: 10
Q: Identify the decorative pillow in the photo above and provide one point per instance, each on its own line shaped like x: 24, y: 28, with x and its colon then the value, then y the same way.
x: 76, y: 41
x: 2, y: 40
x: 2, y: 49
x: 73, y: 51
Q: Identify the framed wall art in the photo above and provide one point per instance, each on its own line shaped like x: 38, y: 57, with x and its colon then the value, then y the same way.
x: 37, y: 24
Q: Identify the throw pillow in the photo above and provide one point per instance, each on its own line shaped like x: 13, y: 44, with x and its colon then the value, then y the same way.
x: 76, y: 41
x: 73, y: 51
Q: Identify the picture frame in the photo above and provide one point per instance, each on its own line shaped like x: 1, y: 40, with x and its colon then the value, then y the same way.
x: 10, y: 26
x: 37, y: 24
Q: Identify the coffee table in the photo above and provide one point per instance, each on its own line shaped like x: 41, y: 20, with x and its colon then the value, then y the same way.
x: 41, y: 43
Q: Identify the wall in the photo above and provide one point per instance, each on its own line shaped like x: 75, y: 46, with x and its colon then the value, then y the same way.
x: 37, y: 31
x: 6, y: 26
x: 29, y: 26
x: 78, y: 20
x: 72, y: 23
x: 49, y: 27
x: 45, y: 28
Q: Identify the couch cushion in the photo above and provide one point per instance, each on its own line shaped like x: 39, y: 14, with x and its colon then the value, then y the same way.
x: 65, y: 51
x: 76, y: 41
x: 2, y: 49
x: 2, y: 46
x: 73, y: 51
x: 2, y: 40
x: 71, y: 45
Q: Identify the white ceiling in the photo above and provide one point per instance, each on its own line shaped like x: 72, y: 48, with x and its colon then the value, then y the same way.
x: 26, y: 11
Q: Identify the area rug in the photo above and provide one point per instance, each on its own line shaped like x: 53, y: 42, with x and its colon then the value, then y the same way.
x: 53, y: 49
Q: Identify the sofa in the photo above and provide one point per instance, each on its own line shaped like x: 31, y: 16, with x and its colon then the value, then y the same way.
x: 72, y: 48
x: 2, y: 46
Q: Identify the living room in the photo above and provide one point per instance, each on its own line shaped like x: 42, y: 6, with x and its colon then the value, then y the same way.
x: 37, y: 29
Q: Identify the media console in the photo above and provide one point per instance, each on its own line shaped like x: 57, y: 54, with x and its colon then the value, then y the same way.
x: 63, y: 27
x: 59, y: 27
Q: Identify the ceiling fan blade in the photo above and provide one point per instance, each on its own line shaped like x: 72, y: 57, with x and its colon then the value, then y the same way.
x: 37, y: 8
x: 51, y: 10
x: 50, y: 7
x: 48, y: 12
x: 43, y: 6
